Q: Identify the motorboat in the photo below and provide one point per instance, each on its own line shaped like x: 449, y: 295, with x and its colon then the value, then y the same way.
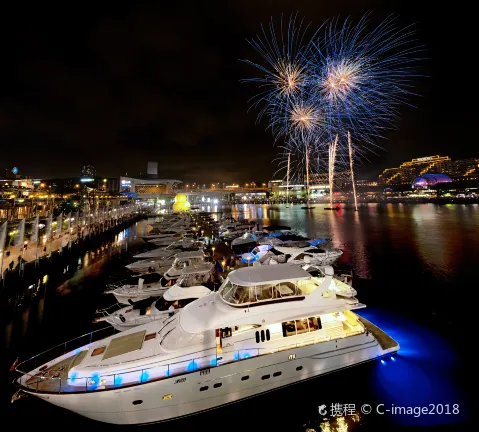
x: 170, y: 267
x: 127, y: 293
x: 247, y: 238
x: 267, y: 327
x: 302, y: 256
x: 166, y: 241
x: 150, y: 265
x: 195, y: 282
x: 167, y: 233
x: 184, y: 245
x: 184, y: 260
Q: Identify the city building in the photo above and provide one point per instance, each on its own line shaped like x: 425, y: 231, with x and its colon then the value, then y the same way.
x: 407, y: 172
x: 151, y: 187
x: 429, y: 180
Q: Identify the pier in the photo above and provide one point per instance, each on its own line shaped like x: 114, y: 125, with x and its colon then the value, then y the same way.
x: 17, y: 250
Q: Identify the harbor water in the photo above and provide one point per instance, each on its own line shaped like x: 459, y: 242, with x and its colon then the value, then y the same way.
x: 414, y: 266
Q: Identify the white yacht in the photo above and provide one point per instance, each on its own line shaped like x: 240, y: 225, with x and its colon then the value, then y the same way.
x: 184, y: 245
x: 267, y: 327
x: 300, y: 253
x: 128, y: 293
x: 195, y: 282
x: 169, y: 268
x: 150, y: 265
x: 247, y: 238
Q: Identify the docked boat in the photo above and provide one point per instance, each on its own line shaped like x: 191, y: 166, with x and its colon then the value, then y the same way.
x: 184, y: 245
x: 125, y: 294
x: 195, y: 282
x: 151, y: 265
x: 266, y: 328
x: 184, y: 260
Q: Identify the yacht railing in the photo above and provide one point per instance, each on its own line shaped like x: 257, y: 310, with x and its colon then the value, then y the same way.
x: 59, y: 350
x: 38, y: 380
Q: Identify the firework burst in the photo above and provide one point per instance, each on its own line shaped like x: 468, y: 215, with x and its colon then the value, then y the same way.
x: 344, y: 85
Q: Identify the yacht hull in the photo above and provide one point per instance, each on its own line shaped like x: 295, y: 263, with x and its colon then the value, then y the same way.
x: 184, y: 395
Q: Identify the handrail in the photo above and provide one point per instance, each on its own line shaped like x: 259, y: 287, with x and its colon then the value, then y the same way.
x: 129, y: 378
x: 65, y: 344
x: 155, y: 371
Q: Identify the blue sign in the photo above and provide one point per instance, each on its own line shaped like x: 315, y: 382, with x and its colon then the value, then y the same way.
x: 15, y: 170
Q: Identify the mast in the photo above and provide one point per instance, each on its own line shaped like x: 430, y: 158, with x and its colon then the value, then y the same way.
x: 307, y: 175
x: 351, y: 165
x: 287, y: 180
x: 332, y: 159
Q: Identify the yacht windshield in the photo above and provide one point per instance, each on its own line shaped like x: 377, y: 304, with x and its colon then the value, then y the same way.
x: 237, y: 294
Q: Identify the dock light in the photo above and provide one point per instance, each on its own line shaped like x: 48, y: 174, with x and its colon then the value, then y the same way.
x: 392, y: 358
x: 383, y: 362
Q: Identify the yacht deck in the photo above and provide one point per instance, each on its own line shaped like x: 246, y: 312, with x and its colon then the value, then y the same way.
x: 54, y: 378
x: 386, y: 342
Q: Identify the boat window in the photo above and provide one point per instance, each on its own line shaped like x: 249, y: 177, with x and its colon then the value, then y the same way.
x: 246, y: 327
x: 257, y: 337
x: 236, y: 294
x: 264, y: 292
x: 285, y: 289
x: 314, y: 323
x: 289, y: 328
x: 183, y: 302
x: 226, y: 332
x: 302, y: 326
x: 262, y: 335
x: 301, y: 256
x: 268, y: 336
x: 246, y: 377
x: 98, y: 351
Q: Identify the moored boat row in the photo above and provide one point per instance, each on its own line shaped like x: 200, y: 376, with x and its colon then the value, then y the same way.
x: 211, y: 338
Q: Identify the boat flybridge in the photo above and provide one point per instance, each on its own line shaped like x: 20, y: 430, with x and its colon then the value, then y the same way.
x: 266, y: 327
x: 195, y: 282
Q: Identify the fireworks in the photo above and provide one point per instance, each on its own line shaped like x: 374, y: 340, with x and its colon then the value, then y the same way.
x: 343, y: 80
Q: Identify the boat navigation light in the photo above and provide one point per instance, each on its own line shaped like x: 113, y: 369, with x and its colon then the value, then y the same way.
x: 392, y: 358
x: 383, y: 362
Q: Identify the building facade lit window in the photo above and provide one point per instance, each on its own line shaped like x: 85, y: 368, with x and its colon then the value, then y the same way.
x: 406, y: 173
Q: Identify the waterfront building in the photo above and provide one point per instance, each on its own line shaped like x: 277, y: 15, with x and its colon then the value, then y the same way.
x: 428, y: 180
x: 407, y: 172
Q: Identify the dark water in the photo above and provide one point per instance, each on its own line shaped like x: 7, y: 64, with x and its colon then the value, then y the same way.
x: 415, y: 268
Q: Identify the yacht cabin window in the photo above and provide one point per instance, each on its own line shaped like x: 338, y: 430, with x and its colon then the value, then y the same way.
x: 237, y: 294
x: 305, y: 325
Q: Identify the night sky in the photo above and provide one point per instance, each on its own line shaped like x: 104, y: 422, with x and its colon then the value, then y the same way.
x: 119, y: 86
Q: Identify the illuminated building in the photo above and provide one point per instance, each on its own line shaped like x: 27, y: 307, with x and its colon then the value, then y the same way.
x: 428, y: 180
x: 406, y: 173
